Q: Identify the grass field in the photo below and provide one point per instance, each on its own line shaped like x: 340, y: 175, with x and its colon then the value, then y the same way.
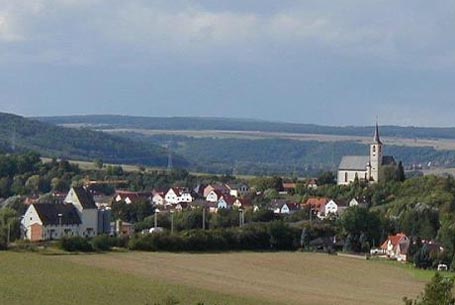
x: 229, y: 278
x: 438, y: 144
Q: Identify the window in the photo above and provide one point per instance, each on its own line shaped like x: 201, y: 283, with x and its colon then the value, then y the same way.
x: 374, y: 148
x: 346, y: 177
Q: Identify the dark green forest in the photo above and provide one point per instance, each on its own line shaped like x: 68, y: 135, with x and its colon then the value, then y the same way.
x: 281, y: 157
x: 18, y: 134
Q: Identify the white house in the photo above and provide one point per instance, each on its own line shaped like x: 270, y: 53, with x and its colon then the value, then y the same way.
x: 47, y: 221
x: 214, y: 196
x: 172, y: 196
x: 283, y: 207
x: 225, y: 202
x: 185, y: 197
x: 238, y: 190
x: 396, y: 247
x: 131, y: 197
x: 242, y: 204
x: 88, y: 212
x: 158, y: 199
x: 331, y: 208
x: 175, y: 195
x: 355, y: 202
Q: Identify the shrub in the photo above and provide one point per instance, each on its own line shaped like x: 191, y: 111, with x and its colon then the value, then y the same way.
x: 103, y: 242
x: 77, y: 243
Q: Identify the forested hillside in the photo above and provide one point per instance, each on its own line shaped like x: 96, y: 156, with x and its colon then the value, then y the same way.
x: 21, y: 134
x: 191, y: 123
x: 279, y: 156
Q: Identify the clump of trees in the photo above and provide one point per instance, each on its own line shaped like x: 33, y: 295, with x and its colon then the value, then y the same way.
x: 276, y: 235
x: 437, y: 292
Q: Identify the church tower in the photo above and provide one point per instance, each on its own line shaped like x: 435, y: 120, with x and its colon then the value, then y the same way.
x: 376, y: 154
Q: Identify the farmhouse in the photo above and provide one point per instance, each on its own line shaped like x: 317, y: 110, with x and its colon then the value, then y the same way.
x: 396, y: 247
x: 77, y: 216
x: 365, y: 168
x: 47, y: 221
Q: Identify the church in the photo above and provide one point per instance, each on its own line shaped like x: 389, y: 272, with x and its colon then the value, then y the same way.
x: 364, y: 167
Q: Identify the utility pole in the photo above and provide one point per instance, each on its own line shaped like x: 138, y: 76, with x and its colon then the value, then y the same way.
x: 60, y: 225
x: 8, y: 238
x: 172, y: 222
x: 203, y: 218
x: 241, y: 218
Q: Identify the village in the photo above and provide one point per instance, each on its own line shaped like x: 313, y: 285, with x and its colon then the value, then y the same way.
x: 87, y: 210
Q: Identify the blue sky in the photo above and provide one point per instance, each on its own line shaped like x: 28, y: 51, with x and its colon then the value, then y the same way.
x: 325, y: 62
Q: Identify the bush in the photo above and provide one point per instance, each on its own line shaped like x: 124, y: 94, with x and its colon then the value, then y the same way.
x: 278, y: 236
x: 74, y: 244
x: 103, y: 242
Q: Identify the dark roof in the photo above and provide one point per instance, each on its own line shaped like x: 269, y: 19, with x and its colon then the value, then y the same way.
x: 388, y: 160
x: 376, y: 137
x: 85, y: 198
x: 354, y: 163
x: 49, y: 213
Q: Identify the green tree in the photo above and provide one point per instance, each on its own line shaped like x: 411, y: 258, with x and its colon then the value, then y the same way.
x: 437, y: 292
x: 326, y: 178
x: 98, y: 163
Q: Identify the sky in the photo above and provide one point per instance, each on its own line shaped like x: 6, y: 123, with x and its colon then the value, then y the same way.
x: 326, y: 62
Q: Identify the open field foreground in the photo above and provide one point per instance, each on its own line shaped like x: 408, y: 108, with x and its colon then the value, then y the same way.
x: 232, y: 278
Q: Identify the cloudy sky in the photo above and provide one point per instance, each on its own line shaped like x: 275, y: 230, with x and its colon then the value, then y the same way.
x: 323, y: 61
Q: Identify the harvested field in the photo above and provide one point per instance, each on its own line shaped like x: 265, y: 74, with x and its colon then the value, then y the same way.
x: 279, y: 278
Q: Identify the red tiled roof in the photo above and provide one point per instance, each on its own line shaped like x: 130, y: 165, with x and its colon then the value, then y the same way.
x: 317, y: 202
x: 394, y: 239
x: 289, y: 186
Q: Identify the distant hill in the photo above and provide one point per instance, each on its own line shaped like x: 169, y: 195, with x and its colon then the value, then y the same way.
x: 20, y: 134
x: 210, y: 151
x: 195, y: 123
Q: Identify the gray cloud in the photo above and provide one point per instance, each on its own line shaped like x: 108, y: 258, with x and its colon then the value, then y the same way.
x: 318, y: 55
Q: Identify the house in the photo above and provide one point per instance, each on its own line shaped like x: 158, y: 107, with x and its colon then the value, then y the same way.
x: 47, y: 221
x: 214, y: 196
x: 175, y: 195
x: 181, y: 206
x: 283, y: 207
x: 335, y: 208
x: 242, y: 203
x: 82, y: 199
x: 317, y: 204
x: 289, y: 187
x: 131, y: 197
x: 212, y: 207
x: 331, y: 208
x: 357, y: 202
x: 312, y: 184
x: 172, y: 196
x: 78, y: 215
x: 122, y: 228
x: 396, y: 247
x: 238, y: 190
x: 365, y: 168
x: 221, y: 188
x: 198, y: 191
x: 158, y: 199
x: 226, y: 202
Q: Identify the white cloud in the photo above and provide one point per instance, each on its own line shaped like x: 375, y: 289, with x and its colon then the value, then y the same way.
x: 384, y: 30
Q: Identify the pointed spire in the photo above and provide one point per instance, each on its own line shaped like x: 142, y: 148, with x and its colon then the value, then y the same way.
x: 376, y: 137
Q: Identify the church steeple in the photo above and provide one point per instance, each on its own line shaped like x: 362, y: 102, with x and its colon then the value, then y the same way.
x: 376, y: 152
x: 376, y: 137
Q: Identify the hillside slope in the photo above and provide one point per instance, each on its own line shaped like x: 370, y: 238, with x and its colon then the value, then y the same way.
x: 20, y: 134
x: 201, y: 123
